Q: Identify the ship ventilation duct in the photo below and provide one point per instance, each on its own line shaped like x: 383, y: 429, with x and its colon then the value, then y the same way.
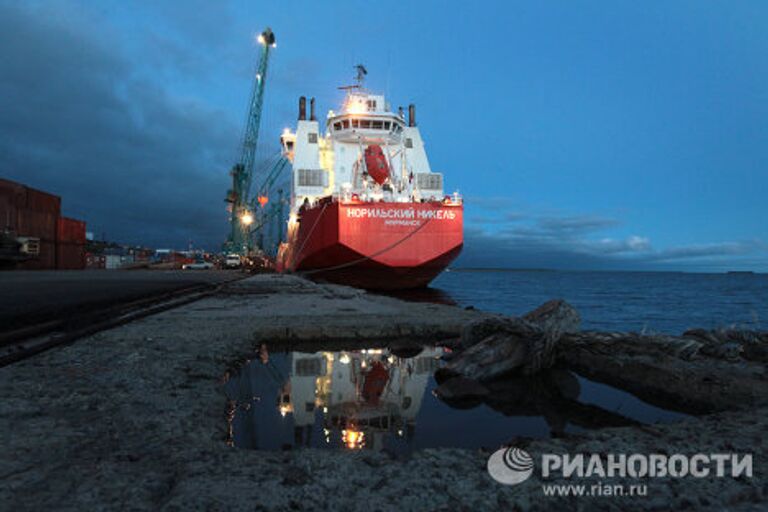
x: 400, y: 112
x: 411, y: 115
x: 302, y: 108
x: 312, y: 110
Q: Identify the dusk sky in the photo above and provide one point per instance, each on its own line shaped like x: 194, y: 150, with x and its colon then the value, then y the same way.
x: 582, y: 135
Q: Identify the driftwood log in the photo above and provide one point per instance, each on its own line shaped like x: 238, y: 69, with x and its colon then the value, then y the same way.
x: 700, y: 371
x: 498, y: 346
x: 674, y: 372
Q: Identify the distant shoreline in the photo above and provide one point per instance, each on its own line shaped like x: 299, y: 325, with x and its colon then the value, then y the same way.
x: 513, y: 269
x: 500, y: 269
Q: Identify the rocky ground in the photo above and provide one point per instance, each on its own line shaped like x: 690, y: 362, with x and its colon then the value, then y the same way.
x: 135, y: 418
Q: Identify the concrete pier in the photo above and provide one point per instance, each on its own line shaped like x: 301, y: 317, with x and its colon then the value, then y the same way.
x: 135, y: 418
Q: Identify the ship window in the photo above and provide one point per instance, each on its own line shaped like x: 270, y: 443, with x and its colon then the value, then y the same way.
x: 312, y: 138
x: 364, y: 123
x: 355, y: 123
x: 371, y: 105
x: 345, y: 123
x: 310, y: 178
x: 376, y: 125
x: 310, y: 367
x: 429, y: 180
x: 409, y: 143
x: 386, y: 125
x: 337, y: 126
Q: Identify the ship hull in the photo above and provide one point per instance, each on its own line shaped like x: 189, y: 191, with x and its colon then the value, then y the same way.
x: 380, y: 246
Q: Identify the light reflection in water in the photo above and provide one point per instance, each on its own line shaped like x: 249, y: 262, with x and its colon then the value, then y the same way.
x: 350, y: 399
x: 377, y: 399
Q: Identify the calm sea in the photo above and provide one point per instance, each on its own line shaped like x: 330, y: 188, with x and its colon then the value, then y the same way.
x: 666, y: 302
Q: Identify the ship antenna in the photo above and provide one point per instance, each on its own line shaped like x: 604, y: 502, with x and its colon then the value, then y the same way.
x: 361, y: 72
x: 359, y: 79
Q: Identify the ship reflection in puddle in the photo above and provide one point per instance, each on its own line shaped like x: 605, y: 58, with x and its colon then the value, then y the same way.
x: 375, y: 399
x: 352, y: 399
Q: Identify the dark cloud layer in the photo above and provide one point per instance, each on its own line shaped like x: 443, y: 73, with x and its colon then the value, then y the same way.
x: 136, y: 163
x: 573, y: 242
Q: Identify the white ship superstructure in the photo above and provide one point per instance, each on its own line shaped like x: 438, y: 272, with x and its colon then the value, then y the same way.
x: 330, y: 160
x: 335, y: 384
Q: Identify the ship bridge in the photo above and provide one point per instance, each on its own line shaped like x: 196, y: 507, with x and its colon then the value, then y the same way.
x: 366, y: 118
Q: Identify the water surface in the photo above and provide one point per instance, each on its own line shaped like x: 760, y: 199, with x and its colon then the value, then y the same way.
x: 382, y: 400
x: 666, y: 302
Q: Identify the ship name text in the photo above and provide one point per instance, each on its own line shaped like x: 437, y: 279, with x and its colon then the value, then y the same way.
x: 400, y: 213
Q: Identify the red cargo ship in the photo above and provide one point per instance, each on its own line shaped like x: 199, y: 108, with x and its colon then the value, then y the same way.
x: 367, y: 210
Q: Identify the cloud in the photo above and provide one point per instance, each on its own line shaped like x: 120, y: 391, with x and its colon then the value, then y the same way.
x: 634, y: 243
x: 574, y: 225
x: 710, y: 250
x: 504, y: 218
x: 571, y: 242
x: 125, y: 154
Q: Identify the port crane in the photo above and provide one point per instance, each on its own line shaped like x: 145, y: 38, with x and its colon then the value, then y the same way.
x: 238, y: 197
x: 272, y: 217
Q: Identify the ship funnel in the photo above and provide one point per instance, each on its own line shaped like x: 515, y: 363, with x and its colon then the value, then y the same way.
x: 312, y: 110
x: 411, y: 115
x: 302, y: 108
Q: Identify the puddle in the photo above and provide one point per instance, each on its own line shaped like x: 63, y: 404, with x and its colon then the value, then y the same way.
x: 382, y: 399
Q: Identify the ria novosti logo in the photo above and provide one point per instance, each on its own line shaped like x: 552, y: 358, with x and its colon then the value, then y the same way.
x: 510, y: 466
x: 513, y: 466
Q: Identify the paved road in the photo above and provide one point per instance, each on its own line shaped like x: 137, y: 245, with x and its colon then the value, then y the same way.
x: 38, y: 296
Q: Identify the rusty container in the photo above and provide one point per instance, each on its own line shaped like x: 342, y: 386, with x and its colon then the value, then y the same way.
x: 70, y: 244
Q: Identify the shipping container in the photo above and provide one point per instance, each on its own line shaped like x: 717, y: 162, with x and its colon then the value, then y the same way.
x: 113, y: 261
x: 95, y: 260
x: 12, y: 197
x: 70, y: 256
x: 46, y: 260
x: 36, y: 224
x: 70, y: 231
x: 7, y: 214
x: 27, y: 212
x: 16, y: 193
x: 70, y: 244
x: 40, y: 201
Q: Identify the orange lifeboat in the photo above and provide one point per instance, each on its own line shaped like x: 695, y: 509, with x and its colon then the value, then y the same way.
x: 376, y: 163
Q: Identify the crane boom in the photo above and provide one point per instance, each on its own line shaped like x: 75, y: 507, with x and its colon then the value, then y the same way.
x: 242, y: 173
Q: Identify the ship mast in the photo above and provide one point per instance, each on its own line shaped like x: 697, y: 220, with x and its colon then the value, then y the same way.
x: 359, y: 79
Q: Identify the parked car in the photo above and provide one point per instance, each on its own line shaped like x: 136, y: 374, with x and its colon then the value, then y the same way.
x: 232, y: 261
x: 198, y: 265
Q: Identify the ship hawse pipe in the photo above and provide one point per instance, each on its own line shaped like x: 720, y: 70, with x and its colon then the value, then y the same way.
x: 411, y: 115
x: 312, y: 110
x: 302, y: 108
